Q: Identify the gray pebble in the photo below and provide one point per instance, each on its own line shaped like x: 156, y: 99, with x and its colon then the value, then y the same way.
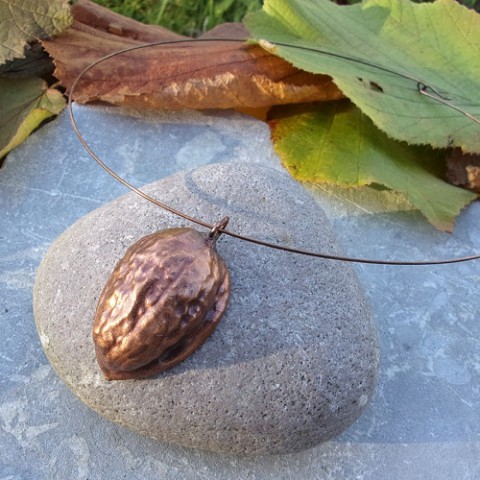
x: 292, y: 363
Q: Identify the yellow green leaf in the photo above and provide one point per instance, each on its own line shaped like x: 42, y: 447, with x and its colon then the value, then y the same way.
x: 24, y: 105
x: 336, y: 143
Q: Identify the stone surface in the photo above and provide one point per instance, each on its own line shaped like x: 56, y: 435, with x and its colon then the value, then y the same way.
x: 423, y: 420
x: 292, y: 363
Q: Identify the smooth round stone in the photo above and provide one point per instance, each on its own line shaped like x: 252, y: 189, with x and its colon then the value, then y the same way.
x: 292, y: 363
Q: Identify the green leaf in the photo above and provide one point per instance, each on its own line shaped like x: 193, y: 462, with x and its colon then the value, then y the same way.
x: 410, y: 45
x: 24, y: 104
x: 336, y: 143
x: 22, y: 21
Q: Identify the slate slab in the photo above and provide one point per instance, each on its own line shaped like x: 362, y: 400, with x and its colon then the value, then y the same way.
x: 292, y: 363
x: 422, y: 422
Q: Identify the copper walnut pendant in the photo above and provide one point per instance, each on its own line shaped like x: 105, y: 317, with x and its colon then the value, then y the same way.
x: 162, y: 301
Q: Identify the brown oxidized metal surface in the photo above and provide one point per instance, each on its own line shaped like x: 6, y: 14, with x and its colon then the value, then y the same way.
x: 162, y: 301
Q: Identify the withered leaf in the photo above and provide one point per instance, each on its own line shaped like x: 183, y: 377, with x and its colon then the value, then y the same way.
x: 205, y: 75
x: 23, y: 21
x: 463, y: 169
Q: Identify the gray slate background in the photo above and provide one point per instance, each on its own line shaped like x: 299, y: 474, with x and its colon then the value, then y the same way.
x: 424, y: 421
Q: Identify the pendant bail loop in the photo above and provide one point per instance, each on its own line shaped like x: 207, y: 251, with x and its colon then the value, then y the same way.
x: 216, y: 231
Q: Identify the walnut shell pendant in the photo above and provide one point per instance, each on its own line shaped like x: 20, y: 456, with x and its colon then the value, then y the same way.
x: 162, y: 301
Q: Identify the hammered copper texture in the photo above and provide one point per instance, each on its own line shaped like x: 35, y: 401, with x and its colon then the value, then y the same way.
x: 162, y: 301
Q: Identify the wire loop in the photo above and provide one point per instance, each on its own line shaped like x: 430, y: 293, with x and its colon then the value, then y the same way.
x: 218, y: 229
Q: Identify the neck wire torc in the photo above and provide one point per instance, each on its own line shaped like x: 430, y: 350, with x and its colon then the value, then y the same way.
x: 219, y: 228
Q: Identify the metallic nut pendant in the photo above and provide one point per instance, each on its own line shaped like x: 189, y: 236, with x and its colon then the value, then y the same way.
x: 161, y: 302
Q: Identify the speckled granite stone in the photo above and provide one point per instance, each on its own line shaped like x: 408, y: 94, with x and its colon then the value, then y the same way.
x: 292, y: 363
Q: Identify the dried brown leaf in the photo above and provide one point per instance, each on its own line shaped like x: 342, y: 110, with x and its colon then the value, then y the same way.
x: 205, y: 75
x: 463, y: 170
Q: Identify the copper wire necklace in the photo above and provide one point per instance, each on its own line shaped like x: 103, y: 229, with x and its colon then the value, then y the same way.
x: 154, y: 311
x: 219, y: 227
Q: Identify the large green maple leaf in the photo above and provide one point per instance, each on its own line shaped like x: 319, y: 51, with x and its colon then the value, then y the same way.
x: 414, y: 69
x: 336, y: 143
